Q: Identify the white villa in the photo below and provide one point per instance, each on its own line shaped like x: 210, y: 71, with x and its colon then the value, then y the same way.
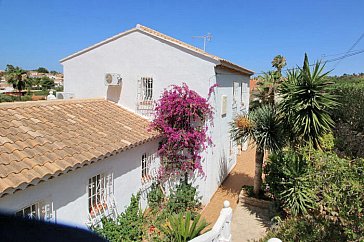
x: 71, y: 161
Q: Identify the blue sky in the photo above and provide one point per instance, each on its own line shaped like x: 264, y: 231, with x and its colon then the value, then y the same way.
x: 249, y: 33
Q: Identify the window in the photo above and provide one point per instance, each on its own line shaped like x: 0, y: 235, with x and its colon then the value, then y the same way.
x: 38, y: 210
x: 145, y: 103
x: 32, y: 212
x: 145, y: 166
x: 99, y: 190
x: 147, y: 83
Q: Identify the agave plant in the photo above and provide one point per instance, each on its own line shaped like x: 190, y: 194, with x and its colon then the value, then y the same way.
x: 181, y: 227
x: 262, y: 126
x: 306, y: 104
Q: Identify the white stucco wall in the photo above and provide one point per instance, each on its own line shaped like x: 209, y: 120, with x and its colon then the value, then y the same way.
x: 133, y: 56
x: 139, y: 55
x: 69, y: 192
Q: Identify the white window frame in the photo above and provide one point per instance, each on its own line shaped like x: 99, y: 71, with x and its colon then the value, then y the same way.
x: 147, y: 88
x: 149, y: 169
x: 100, y: 189
x: 145, y: 96
x: 38, y: 210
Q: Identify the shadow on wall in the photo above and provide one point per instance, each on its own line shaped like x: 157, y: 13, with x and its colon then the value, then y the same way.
x: 113, y: 93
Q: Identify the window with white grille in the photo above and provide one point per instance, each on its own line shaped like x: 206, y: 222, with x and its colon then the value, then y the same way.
x: 147, y: 83
x: 150, y: 168
x: 145, y: 101
x: 38, y: 210
x: 100, y: 189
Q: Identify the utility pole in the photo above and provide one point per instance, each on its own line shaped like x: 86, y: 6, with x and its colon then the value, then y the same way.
x: 206, y: 38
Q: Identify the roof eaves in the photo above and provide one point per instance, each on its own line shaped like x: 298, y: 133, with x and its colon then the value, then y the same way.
x: 24, y: 185
x: 235, y: 67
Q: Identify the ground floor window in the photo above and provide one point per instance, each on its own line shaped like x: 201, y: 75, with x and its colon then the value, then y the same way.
x: 38, y: 210
x: 100, y: 190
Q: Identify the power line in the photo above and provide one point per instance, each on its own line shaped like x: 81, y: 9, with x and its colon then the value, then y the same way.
x: 346, y: 55
x: 351, y: 48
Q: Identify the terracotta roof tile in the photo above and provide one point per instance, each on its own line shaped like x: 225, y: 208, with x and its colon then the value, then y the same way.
x: 47, y: 138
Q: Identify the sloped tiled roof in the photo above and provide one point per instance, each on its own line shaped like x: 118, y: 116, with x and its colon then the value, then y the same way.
x: 43, y: 139
x: 144, y: 29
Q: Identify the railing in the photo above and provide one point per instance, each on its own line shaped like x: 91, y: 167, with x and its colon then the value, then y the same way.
x: 221, y: 232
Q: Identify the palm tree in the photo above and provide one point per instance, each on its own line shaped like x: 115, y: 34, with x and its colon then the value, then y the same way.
x: 17, y: 77
x: 306, y: 104
x: 269, y: 83
x: 262, y: 126
x: 279, y: 62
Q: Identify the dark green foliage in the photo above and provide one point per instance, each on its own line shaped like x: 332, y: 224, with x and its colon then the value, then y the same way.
x: 337, y: 187
x: 306, y: 229
x: 184, y: 197
x: 155, y: 197
x: 306, y: 104
x: 42, y: 70
x: 182, y: 228
x: 129, y: 224
x: 7, y: 98
x: 287, y: 175
x: 46, y: 83
x: 351, y: 98
x: 16, y: 76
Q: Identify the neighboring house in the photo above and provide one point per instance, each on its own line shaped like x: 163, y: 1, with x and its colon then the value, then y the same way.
x: 147, y: 62
x: 72, y: 161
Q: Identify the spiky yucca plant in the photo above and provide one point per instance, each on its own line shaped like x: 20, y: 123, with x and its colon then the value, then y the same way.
x: 306, y: 104
x: 262, y: 126
x: 181, y: 227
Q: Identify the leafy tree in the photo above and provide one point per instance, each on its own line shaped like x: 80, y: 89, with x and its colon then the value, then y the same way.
x: 17, y: 77
x: 262, y: 126
x: 46, y: 83
x: 306, y: 104
x: 42, y: 70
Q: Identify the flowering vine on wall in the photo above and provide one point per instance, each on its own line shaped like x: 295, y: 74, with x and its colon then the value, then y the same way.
x: 182, y: 117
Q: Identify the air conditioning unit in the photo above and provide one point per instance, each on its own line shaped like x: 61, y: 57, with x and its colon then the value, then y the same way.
x: 65, y: 95
x: 112, y: 79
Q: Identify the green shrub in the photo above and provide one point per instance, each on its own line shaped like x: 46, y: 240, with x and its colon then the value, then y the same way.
x: 351, y: 109
x: 306, y: 229
x: 183, y: 198
x: 182, y: 228
x: 6, y: 98
x: 288, y: 181
x: 155, y: 197
x: 129, y: 224
x: 339, y: 185
x: 328, y: 142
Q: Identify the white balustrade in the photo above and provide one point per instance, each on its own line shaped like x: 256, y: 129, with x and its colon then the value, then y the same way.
x: 221, y: 232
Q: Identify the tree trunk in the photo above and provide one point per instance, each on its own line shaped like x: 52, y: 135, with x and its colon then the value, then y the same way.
x: 259, y: 156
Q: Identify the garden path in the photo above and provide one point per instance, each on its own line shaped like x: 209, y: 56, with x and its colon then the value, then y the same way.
x: 247, y: 224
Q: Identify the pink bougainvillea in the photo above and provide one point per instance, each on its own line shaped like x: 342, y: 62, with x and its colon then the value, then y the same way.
x: 181, y: 117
